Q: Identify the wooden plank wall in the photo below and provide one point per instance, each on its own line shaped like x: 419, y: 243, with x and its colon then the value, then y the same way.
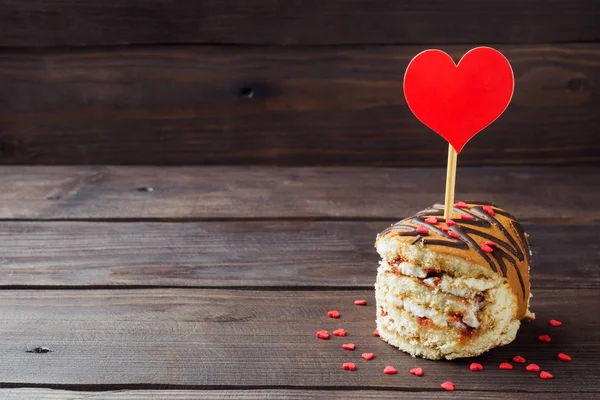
x: 283, y: 83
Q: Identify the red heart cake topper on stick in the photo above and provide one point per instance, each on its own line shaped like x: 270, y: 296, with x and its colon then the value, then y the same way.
x: 457, y: 101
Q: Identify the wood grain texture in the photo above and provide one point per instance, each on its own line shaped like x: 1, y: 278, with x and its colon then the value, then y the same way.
x: 115, y: 22
x: 267, y: 394
x: 248, y: 339
x: 266, y: 254
x: 282, y: 106
x: 191, y: 193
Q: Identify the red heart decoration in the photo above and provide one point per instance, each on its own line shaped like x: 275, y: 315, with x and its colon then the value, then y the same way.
x: 458, y: 101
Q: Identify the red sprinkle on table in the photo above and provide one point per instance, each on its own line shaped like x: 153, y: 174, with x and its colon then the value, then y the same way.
x: 546, y: 375
x: 486, y: 248
x: 490, y: 243
x: 505, y: 366
x: 431, y: 220
x: 360, y: 302
x: 349, y: 366
x: 323, y: 334
x: 554, y: 322
x: 564, y: 357
x: 417, y: 371
x: 339, y: 332
x: 533, y: 368
x: 447, y: 386
x: 544, y: 338
x: 389, y: 370
x: 519, y: 359
x: 367, y: 356
x: 333, y: 314
x: 489, y: 210
x: 453, y: 234
x: 476, y: 367
x: 422, y: 230
x: 450, y: 222
x: 376, y: 333
x: 348, y: 346
x: 467, y: 217
x: 460, y: 204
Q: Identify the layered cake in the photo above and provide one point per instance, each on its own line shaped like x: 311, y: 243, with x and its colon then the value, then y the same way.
x: 456, y: 287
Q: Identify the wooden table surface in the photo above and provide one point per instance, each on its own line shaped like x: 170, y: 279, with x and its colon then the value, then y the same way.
x: 210, y: 282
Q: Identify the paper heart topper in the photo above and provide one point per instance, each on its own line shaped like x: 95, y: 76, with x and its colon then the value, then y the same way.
x: 458, y: 101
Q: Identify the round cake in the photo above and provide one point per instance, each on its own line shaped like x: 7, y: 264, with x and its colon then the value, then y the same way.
x: 450, y: 288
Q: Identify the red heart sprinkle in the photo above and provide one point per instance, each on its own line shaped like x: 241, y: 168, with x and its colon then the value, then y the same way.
x: 486, y: 248
x: 389, y: 370
x: 488, y: 210
x: 376, y: 333
x: 367, y: 356
x: 333, y: 314
x: 348, y: 346
x: 323, y: 334
x: 519, y: 359
x: 417, y: 371
x: 546, y: 375
x: 467, y: 217
x: 431, y: 220
x: 554, y: 322
x: 422, y: 230
x: 450, y: 222
x: 532, y: 368
x: 447, y: 386
x: 563, y: 357
x: 544, y: 338
x: 490, y: 243
x: 475, y: 367
x: 460, y: 204
x: 454, y: 234
x: 339, y: 332
x: 349, y: 366
x: 360, y: 302
x: 505, y: 366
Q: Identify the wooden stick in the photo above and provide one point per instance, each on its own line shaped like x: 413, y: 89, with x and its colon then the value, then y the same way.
x: 450, y: 181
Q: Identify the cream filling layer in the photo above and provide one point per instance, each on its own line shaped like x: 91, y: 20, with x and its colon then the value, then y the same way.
x: 443, y: 283
x: 469, y: 317
x: 467, y: 288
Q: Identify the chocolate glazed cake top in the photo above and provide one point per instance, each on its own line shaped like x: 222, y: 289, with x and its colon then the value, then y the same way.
x: 477, y: 231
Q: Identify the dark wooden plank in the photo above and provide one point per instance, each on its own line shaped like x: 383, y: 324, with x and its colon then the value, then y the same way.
x: 247, y: 254
x: 316, y: 106
x: 249, y: 339
x: 188, y: 193
x: 266, y: 394
x: 113, y: 22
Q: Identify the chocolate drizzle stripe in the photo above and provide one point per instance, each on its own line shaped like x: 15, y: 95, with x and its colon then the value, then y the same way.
x: 523, y: 238
x: 516, y: 249
x: 454, y: 243
x: 513, y: 251
x: 506, y: 250
x: 481, y: 203
x: 462, y: 232
x: 500, y: 255
x: 505, y: 214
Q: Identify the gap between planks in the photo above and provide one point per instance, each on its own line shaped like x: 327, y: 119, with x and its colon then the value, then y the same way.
x: 275, y: 219
x: 181, y: 392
